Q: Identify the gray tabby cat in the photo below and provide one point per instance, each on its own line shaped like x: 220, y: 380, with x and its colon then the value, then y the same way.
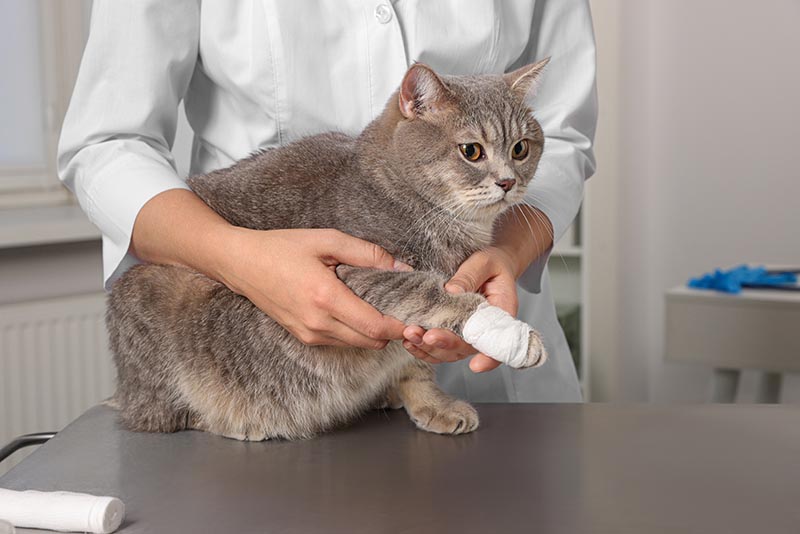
x: 425, y: 180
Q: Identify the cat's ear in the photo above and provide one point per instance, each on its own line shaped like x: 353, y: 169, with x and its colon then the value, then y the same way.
x: 422, y: 91
x: 525, y: 79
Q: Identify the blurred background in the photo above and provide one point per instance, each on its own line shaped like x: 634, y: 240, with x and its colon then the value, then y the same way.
x: 696, y: 149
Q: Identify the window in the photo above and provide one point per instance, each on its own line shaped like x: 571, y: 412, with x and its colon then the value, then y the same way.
x: 41, y: 42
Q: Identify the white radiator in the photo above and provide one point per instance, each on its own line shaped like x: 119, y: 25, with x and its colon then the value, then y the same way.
x: 54, y: 364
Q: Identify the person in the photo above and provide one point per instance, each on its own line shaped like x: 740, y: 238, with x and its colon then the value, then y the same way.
x: 258, y: 74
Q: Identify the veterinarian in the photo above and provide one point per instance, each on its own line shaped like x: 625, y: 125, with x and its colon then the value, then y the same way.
x: 258, y: 74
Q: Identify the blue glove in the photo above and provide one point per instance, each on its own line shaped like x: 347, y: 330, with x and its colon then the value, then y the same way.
x: 733, y: 280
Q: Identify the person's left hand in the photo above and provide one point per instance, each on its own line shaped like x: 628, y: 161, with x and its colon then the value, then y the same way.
x: 489, y: 272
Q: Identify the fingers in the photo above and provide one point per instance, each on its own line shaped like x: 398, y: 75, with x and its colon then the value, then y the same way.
x: 360, y: 316
x: 334, y: 315
x: 445, y: 345
x: 325, y: 330
x: 342, y: 332
x: 344, y: 248
x: 481, y: 363
x: 419, y: 353
x: 302, y: 292
x: 471, y: 275
x: 501, y: 291
x: 437, y: 344
x: 413, y: 334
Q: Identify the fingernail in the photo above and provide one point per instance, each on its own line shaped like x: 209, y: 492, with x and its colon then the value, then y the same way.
x: 453, y: 288
x: 400, y: 266
x: 415, y: 339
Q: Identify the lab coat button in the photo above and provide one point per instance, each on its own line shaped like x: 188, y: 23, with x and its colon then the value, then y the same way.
x: 383, y: 13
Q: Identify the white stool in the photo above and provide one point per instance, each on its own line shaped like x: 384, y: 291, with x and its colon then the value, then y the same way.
x: 757, y: 329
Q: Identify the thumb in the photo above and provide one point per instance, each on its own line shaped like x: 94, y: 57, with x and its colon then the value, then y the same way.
x: 470, y: 276
x: 360, y: 253
x: 480, y: 363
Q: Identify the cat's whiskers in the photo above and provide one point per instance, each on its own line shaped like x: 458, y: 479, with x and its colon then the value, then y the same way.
x: 535, y: 237
x: 435, y: 228
x: 441, y: 228
x: 414, y: 230
x: 541, y: 218
x: 436, y: 212
x: 545, y: 223
x: 475, y: 228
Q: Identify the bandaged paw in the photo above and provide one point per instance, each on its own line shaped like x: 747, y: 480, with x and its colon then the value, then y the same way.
x: 499, y: 335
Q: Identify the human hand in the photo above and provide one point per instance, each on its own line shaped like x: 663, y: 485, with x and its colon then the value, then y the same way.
x: 290, y: 275
x: 490, y: 272
x: 522, y: 234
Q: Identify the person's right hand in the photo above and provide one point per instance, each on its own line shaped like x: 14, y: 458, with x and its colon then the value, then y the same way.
x: 290, y: 275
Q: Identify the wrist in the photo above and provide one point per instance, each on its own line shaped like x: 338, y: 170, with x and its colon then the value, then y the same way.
x: 523, y: 235
x: 516, y: 259
x: 225, y: 249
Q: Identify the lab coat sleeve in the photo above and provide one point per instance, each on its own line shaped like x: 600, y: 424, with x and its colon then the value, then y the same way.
x: 114, y: 151
x: 566, y: 107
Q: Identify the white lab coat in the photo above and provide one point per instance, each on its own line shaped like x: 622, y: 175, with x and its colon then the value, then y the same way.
x: 261, y: 73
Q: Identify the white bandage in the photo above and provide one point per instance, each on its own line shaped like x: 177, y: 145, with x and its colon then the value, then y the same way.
x: 61, y: 510
x: 499, y: 335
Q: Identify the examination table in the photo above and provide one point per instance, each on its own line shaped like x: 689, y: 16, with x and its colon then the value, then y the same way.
x: 529, y: 468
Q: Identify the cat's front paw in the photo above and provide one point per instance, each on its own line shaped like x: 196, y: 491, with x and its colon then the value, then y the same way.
x: 501, y: 336
x: 536, y: 354
x: 450, y: 416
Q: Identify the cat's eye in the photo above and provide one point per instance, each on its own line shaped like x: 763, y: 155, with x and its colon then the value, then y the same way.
x: 520, y: 150
x: 471, y: 151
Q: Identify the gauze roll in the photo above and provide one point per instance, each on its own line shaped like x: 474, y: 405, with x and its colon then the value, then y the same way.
x: 499, y: 335
x: 61, y: 510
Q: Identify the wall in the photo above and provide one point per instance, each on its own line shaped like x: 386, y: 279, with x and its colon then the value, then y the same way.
x: 695, y: 144
x: 601, y: 235
x: 703, y: 122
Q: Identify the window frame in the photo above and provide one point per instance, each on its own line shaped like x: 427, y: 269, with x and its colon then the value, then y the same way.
x: 63, y: 28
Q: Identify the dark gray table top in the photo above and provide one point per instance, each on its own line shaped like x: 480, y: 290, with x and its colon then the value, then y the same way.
x: 529, y: 468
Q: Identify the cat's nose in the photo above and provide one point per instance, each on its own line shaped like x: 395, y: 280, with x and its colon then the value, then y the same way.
x: 506, y: 184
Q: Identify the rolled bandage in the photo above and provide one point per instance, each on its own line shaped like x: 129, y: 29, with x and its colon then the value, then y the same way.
x: 499, y: 335
x: 61, y: 510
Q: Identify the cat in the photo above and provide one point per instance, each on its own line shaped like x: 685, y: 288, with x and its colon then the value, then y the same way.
x: 426, y: 180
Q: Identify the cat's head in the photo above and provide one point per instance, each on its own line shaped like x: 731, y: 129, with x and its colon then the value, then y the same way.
x: 467, y: 143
